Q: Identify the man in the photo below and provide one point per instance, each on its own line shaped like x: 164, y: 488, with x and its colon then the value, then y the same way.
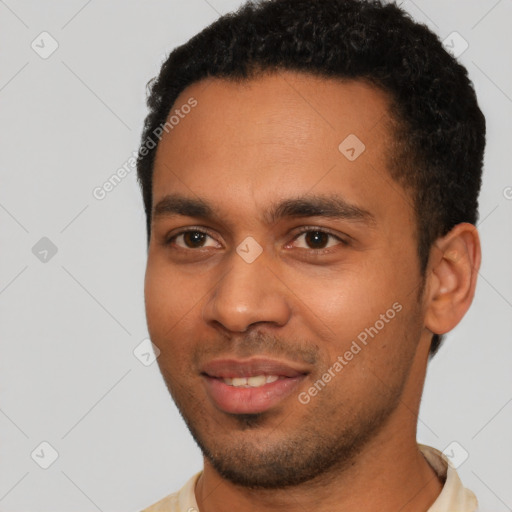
x: 310, y: 172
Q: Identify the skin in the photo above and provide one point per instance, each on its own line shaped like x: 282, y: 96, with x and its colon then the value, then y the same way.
x: 243, y: 148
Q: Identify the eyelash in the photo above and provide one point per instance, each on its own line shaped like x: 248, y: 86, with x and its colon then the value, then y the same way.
x: 307, y: 229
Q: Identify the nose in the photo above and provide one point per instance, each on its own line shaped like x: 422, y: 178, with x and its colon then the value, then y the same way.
x: 248, y: 293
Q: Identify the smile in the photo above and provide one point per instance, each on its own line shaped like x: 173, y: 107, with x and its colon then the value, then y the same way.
x: 251, y: 382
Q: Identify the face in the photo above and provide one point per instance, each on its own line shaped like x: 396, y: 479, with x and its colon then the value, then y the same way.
x: 282, y: 278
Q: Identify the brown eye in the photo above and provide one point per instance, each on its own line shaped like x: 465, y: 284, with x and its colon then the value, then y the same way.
x: 194, y: 239
x: 317, y: 239
x: 191, y: 239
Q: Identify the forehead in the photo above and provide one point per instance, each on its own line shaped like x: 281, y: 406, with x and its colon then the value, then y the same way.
x: 276, y: 136
x: 285, y: 108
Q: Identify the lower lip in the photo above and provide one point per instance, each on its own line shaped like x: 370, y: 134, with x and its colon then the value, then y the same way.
x: 238, y: 400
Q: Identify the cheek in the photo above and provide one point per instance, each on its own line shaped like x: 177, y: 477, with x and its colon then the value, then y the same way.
x: 373, y: 353
x: 171, y: 318
x: 169, y: 299
x: 157, y: 298
x: 368, y: 313
x: 347, y: 301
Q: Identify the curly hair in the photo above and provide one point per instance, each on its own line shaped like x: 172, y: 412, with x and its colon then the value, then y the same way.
x: 439, y: 130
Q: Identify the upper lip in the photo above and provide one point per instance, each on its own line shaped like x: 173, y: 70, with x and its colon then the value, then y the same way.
x: 230, y: 368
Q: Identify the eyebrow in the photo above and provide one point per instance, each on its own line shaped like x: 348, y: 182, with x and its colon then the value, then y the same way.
x: 329, y: 206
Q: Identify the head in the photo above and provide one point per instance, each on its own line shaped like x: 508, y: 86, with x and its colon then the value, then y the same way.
x: 258, y: 119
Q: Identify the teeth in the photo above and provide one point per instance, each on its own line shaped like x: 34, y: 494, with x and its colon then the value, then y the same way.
x: 257, y: 381
x: 250, y: 382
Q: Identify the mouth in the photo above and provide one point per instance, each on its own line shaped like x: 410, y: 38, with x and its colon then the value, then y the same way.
x: 251, y: 386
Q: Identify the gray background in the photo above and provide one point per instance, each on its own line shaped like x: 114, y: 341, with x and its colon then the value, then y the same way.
x: 70, y: 323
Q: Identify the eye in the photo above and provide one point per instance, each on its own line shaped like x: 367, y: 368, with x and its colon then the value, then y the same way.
x: 316, y: 239
x: 191, y: 239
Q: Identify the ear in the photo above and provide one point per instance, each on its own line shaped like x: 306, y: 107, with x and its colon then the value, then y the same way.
x: 451, y: 278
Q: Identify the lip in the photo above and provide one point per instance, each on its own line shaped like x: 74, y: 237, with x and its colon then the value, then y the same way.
x: 229, y: 368
x: 239, y: 400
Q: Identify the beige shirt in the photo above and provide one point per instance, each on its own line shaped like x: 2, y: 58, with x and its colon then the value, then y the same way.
x: 453, y: 498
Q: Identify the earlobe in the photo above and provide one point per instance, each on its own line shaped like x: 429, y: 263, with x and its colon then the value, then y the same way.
x: 451, y: 278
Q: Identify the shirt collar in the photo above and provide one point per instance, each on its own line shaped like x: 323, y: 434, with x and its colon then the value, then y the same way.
x: 454, y: 496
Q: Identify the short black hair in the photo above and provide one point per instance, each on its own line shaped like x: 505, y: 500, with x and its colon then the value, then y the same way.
x: 439, y: 130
